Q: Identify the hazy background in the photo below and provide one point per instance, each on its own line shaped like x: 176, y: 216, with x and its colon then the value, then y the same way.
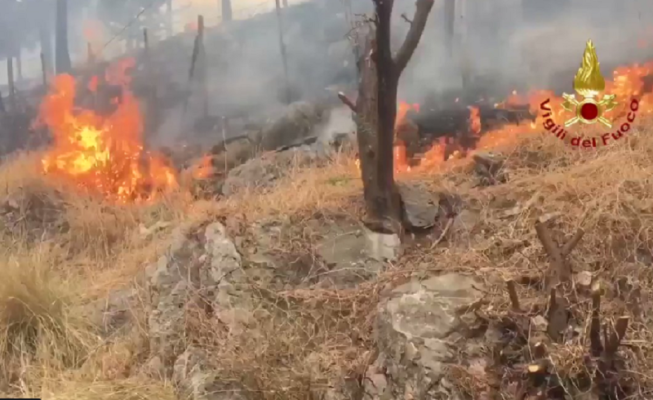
x: 502, y: 43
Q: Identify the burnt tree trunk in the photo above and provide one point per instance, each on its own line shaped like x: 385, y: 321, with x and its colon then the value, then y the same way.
x: 376, y: 111
x: 11, y: 96
x: 62, y: 56
x: 202, y: 67
x: 19, y: 65
x: 227, y: 13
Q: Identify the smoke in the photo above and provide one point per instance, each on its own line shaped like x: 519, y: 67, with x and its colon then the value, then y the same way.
x: 526, y: 43
x: 505, y: 44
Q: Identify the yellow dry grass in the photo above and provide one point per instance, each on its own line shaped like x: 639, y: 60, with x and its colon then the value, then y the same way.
x: 48, y: 351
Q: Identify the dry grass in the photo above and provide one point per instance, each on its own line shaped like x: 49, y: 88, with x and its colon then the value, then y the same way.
x: 307, y: 338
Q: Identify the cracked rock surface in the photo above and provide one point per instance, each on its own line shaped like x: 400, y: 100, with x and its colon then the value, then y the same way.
x: 419, y: 332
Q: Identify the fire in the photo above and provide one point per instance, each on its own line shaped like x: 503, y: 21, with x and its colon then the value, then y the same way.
x: 102, y: 154
x: 204, y: 168
x: 627, y: 82
x: 401, y: 161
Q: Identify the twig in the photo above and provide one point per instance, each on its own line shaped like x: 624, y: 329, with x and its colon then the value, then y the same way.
x: 571, y: 244
x: 422, y: 10
x: 347, y: 101
x: 512, y: 292
x: 405, y: 18
x: 443, y: 234
x: 596, y: 348
x: 617, y: 335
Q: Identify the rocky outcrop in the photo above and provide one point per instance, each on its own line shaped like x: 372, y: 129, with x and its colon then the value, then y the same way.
x: 194, y: 380
x: 266, y: 170
x: 419, y: 331
x: 199, y: 270
x: 296, y: 124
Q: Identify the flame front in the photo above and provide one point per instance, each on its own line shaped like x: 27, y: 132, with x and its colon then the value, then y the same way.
x: 628, y: 82
x: 103, y: 155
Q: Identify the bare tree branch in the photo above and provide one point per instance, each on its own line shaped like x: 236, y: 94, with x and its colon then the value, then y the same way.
x: 512, y: 292
x: 347, y: 101
x: 422, y: 10
x: 571, y: 244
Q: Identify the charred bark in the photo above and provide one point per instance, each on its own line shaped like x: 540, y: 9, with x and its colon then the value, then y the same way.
x: 227, y: 13
x: 63, y: 64
x: 376, y: 110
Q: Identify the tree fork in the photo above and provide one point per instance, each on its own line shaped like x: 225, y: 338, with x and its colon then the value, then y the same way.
x: 376, y: 111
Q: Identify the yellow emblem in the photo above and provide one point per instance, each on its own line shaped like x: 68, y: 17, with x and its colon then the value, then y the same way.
x: 588, y: 83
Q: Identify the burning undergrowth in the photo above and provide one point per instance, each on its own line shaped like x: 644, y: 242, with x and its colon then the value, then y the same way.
x: 429, y: 134
x: 100, y: 153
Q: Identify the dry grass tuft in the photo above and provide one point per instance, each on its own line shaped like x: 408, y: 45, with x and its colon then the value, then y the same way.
x: 38, y: 328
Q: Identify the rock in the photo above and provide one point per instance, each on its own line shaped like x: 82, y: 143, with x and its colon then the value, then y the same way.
x: 194, y: 380
x: 489, y: 167
x: 233, y: 153
x: 383, y: 247
x: 264, y: 171
x: 191, y: 273
x: 297, y: 123
x: 420, y: 208
x: 346, y: 255
x: 417, y: 332
x: 223, y: 279
x: 154, y: 368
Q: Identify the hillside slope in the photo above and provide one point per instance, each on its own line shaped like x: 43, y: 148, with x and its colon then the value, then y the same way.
x: 267, y: 294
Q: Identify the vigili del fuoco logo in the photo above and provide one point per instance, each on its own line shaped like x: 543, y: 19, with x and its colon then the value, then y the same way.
x: 589, y: 107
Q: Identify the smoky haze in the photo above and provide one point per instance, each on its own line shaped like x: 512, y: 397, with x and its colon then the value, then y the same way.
x: 503, y: 44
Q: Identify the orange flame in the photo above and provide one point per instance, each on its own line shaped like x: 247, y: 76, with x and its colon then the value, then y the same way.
x: 203, y: 168
x: 627, y: 82
x: 101, y: 154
